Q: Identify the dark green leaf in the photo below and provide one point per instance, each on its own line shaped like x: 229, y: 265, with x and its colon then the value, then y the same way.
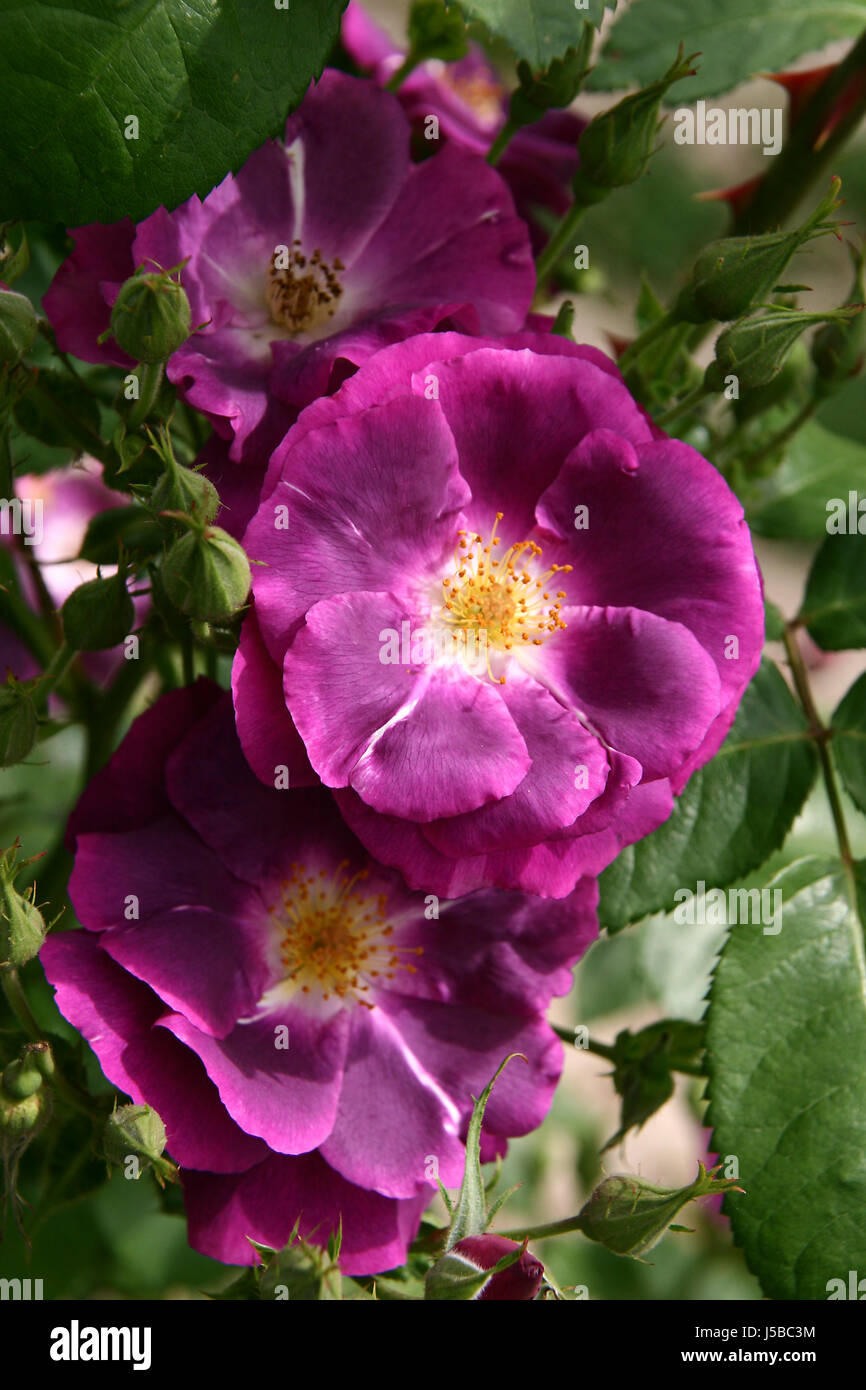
x: 736, y: 38
x: 849, y: 741
x: 206, y: 83
x: 643, y: 1067
x: 834, y: 606
x: 786, y: 1045
x: 732, y: 815
x: 435, y: 31
x: 138, y: 531
x: 537, y: 30
x: 819, y: 466
x: 57, y: 411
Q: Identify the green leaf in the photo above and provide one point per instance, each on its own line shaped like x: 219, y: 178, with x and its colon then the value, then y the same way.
x: 849, y: 741
x: 132, y: 526
x: 834, y: 605
x: 206, y: 82
x: 737, y: 39
x: 733, y: 814
x: 643, y: 1066
x: 57, y: 411
x: 436, y: 32
x: 792, y: 501
x: 537, y: 30
x: 786, y: 1044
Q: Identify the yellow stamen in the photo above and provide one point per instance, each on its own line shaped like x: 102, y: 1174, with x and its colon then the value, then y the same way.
x: 335, y: 939
x: 501, y: 598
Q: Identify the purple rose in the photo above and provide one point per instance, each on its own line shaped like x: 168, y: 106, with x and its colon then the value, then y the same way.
x: 508, y: 615
x: 323, y: 248
x: 310, y: 1031
x: 470, y: 103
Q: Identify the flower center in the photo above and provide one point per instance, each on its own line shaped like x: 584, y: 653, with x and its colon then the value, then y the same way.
x: 500, y: 597
x: 480, y: 93
x: 335, y: 940
x: 302, y: 293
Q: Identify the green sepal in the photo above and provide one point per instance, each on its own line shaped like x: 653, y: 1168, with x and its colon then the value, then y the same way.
x: 450, y: 1279
x: 470, y: 1216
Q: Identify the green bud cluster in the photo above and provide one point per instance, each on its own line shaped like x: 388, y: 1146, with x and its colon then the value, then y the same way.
x: 25, y: 1104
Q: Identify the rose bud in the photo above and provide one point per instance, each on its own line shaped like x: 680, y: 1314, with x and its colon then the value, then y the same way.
x: 17, y: 325
x: 98, y: 614
x: 617, y: 145
x: 185, y: 490
x: 754, y: 350
x: 151, y: 317
x: 206, y: 574
x: 24, y: 1076
x: 733, y: 273
x: 467, y: 1271
x: 136, y: 1131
